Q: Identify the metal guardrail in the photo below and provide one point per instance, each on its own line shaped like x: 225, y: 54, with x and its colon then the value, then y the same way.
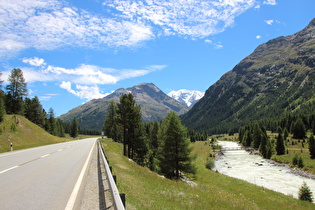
x: 117, y: 200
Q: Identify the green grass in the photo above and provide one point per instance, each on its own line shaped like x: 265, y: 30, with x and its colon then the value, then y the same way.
x: 147, y: 190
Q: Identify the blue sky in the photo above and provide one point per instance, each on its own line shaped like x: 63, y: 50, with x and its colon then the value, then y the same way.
x: 73, y: 51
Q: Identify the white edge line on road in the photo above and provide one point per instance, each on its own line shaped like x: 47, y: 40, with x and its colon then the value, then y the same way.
x: 77, y: 186
x: 9, y: 169
x: 44, y: 156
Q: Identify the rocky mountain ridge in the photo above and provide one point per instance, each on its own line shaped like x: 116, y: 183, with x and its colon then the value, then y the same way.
x: 154, y: 103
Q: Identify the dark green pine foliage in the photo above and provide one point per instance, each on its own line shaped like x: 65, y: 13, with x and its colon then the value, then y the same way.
x: 280, y: 148
x: 2, y: 109
x: 16, y: 90
x: 111, y: 127
x: 175, y: 151
x: 305, y: 193
x: 311, y: 143
x: 74, y: 128
x: 125, y: 112
x: 137, y: 147
x: 129, y: 119
x: 298, y: 129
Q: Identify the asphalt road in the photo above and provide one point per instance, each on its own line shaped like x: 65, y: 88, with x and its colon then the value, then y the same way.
x: 42, y: 177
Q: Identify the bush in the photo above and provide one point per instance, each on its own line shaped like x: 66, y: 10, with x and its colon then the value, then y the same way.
x: 305, y: 193
x: 210, y: 163
x: 295, y: 160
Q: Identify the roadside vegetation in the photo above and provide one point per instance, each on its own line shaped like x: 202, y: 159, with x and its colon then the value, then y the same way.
x: 145, y: 189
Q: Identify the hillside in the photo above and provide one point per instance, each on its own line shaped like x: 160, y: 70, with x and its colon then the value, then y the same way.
x: 277, y: 77
x: 25, y: 135
x: 154, y: 103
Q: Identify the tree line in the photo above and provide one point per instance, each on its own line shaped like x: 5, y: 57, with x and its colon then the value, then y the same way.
x: 14, y: 101
x: 161, y: 146
x: 254, y: 134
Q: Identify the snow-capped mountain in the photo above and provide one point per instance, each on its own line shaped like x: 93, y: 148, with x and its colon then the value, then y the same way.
x: 188, y: 97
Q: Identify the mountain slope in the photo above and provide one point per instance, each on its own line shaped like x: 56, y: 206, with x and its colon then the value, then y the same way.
x: 154, y: 103
x: 187, y: 97
x: 277, y: 77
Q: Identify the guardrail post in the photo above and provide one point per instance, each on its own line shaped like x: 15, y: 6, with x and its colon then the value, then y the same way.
x: 123, y: 198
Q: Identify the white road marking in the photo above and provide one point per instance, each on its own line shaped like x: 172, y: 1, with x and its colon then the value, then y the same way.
x: 9, y: 169
x: 74, y: 194
x: 44, y: 156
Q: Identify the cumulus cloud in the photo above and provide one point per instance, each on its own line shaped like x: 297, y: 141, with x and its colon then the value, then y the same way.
x: 50, y: 24
x: 269, y: 22
x: 85, y: 78
x: 258, y: 37
x: 83, y: 92
x: 34, y: 61
x: 270, y: 2
x: 186, y: 17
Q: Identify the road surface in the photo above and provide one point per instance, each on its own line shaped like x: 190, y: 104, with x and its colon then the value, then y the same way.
x: 43, y: 177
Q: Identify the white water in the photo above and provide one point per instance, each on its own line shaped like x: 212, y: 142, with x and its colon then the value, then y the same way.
x: 254, y: 169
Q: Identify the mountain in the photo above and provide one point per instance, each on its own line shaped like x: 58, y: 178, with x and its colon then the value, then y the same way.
x: 278, y: 77
x: 187, y: 97
x: 154, y: 103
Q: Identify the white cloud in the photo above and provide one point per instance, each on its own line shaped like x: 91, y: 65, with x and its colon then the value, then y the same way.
x: 258, y: 37
x: 50, y: 24
x: 270, y: 2
x: 86, y: 78
x: 185, y: 17
x: 83, y: 92
x: 34, y: 61
x: 269, y: 22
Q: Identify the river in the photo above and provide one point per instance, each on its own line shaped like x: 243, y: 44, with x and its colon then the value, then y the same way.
x: 254, y: 169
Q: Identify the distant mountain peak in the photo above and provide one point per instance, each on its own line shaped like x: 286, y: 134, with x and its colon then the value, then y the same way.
x: 187, y: 97
x: 154, y: 103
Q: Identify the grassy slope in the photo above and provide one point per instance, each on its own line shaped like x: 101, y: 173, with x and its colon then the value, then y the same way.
x: 26, y: 135
x: 147, y: 190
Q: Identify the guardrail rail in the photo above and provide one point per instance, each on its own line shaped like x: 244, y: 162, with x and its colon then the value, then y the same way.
x: 116, y: 197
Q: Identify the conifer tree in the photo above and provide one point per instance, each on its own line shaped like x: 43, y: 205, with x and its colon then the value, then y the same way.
x: 111, y: 127
x: 16, y: 91
x: 280, y: 148
x: 298, y: 129
x: 74, y: 128
x: 2, y: 109
x: 311, y: 143
x: 175, y: 151
x: 305, y: 193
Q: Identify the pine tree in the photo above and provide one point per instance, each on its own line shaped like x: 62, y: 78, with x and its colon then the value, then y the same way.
x: 111, y: 127
x: 280, y: 148
x: 2, y: 109
x: 175, y: 151
x: 305, y: 194
x: 16, y: 90
x: 74, y: 129
x: 52, y: 127
x: 125, y: 111
x: 298, y: 129
x: 311, y: 143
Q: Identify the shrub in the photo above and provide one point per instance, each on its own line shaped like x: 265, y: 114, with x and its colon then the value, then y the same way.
x: 210, y: 163
x: 305, y: 194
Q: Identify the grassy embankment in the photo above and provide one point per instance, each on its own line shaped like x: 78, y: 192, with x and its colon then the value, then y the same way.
x: 24, y: 134
x: 147, y: 190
